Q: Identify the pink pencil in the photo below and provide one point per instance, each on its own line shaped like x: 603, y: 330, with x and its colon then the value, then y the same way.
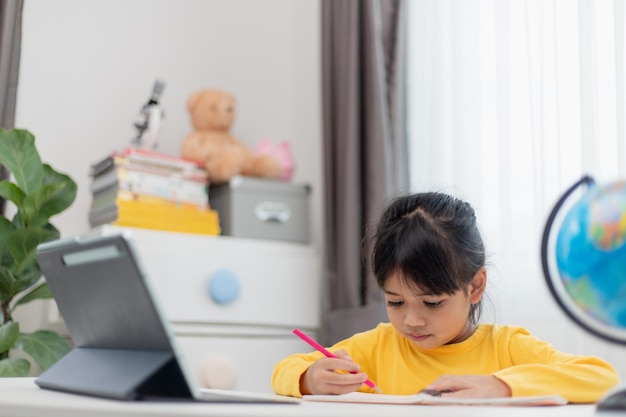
x: 322, y: 349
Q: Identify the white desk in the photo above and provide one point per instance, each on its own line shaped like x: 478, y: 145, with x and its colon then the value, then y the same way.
x: 20, y: 397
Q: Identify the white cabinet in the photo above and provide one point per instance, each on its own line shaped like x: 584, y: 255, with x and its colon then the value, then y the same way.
x: 232, y: 302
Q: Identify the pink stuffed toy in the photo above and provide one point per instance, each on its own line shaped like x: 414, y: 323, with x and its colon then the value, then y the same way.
x: 282, y: 153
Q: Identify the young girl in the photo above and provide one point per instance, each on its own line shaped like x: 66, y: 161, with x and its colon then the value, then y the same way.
x: 429, y: 260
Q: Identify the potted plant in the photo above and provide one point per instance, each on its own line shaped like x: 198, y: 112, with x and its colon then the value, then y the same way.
x: 38, y: 193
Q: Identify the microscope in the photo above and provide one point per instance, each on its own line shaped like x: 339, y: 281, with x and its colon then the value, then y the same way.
x: 148, y: 120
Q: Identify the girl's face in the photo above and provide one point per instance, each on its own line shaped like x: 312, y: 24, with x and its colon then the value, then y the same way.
x: 430, y: 320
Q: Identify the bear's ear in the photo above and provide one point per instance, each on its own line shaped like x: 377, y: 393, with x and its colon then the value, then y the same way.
x: 193, y: 100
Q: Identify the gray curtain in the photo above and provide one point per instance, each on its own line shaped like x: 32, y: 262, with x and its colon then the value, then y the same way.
x: 10, y: 42
x: 365, y: 148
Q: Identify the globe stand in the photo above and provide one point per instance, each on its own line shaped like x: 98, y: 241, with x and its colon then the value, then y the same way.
x: 614, y: 400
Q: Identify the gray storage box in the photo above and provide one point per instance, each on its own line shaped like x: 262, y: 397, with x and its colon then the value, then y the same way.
x: 260, y: 208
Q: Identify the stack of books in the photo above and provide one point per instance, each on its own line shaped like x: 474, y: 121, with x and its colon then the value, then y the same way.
x: 138, y: 188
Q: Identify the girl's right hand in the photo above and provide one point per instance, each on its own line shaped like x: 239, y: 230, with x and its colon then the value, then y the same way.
x: 322, y: 377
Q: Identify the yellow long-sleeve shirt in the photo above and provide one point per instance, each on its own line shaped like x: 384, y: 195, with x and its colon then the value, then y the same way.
x: 528, y: 365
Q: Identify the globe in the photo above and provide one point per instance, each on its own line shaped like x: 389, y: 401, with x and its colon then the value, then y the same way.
x: 584, y: 263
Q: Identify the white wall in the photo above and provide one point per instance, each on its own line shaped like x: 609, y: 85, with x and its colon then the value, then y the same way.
x: 87, y: 67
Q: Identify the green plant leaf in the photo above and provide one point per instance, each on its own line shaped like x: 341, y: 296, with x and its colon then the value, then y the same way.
x: 64, y: 197
x: 11, y: 285
x: 9, y: 333
x: 19, y: 269
x: 11, y: 192
x: 17, y: 221
x: 53, y: 231
x: 54, y: 197
x: 26, y: 279
x: 7, y: 282
x: 6, y: 229
x: 38, y: 293
x: 44, y: 346
x: 32, y: 205
x: 23, y: 244
x: 14, y: 367
x: 19, y: 155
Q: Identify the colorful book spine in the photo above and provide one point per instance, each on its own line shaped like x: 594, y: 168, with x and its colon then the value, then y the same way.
x: 149, y: 160
x: 140, y: 182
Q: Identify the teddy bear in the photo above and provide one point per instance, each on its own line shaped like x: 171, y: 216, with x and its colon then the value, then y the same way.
x: 224, y: 156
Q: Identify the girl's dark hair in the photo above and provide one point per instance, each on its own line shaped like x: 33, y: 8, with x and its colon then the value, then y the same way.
x: 432, y: 240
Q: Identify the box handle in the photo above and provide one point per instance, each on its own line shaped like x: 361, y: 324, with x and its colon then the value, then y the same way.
x: 272, y: 211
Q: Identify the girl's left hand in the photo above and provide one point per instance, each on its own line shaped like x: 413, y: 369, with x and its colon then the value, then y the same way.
x: 470, y: 386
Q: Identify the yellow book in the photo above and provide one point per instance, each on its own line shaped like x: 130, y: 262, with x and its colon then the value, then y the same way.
x: 160, y: 214
x: 173, y: 226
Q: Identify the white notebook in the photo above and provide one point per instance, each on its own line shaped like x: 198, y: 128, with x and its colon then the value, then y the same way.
x: 421, y: 398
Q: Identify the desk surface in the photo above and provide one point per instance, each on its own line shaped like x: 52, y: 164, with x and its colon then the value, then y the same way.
x: 20, y: 397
